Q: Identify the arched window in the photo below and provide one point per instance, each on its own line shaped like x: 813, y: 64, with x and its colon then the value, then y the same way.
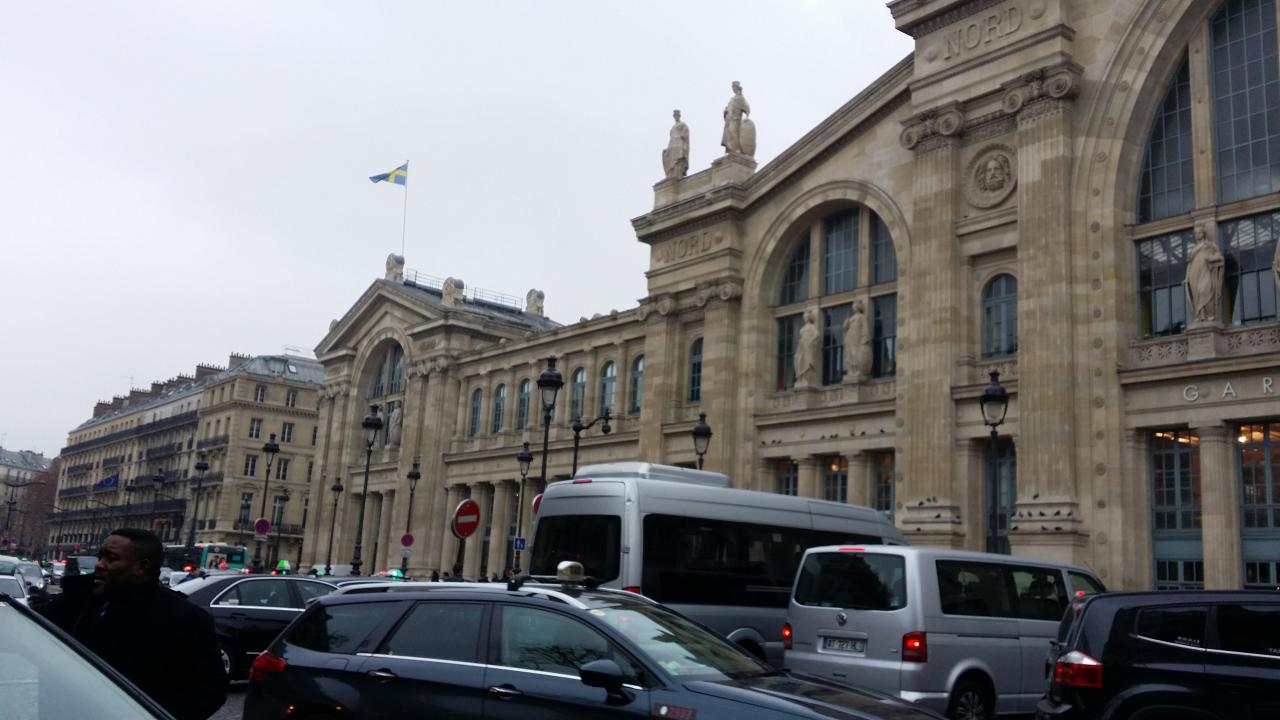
x: 608, y: 380
x: 1167, y: 185
x: 577, y: 393
x: 795, y: 281
x: 397, y: 370
x: 522, y: 405
x: 637, y: 385
x: 840, y: 252
x: 1000, y: 316
x: 695, y: 371
x: 884, y: 259
x: 388, y: 372
x: 499, y: 408
x: 1245, y: 99
x: 477, y: 399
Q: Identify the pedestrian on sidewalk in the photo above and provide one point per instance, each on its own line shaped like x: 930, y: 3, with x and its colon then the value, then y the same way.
x: 148, y: 633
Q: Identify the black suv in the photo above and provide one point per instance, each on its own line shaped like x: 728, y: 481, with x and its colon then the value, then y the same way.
x: 1186, y: 655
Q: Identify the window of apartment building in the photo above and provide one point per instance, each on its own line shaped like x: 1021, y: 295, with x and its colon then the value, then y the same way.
x: 695, y: 371
x: 637, y: 385
x: 260, y: 394
x: 608, y: 384
x: 315, y: 433
x: 255, y: 428
x: 291, y: 398
x: 250, y: 465
x: 1000, y: 317
x: 306, y: 507
x: 1002, y: 495
x: 883, y: 482
x: 477, y: 400
x: 577, y: 393
x: 499, y: 408
x: 786, y: 477
x: 522, y: 404
x: 311, y: 466
x: 884, y: 336
x: 282, y: 469
x: 246, y: 509
x: 277, y: 511
x: 835, y: 479
x: 286, y: 433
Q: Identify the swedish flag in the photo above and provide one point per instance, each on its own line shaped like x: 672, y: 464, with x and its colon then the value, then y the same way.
x: 399, y: 176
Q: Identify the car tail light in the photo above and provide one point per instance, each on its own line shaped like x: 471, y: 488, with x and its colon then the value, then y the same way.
x: 915, y: 647
x: 852, y: 549
x: 582, y: 481
x: 263, y: 664
x: 786, y: 636
x: 671, y: 712
x: 1075, y: 669
x: 633, y: 589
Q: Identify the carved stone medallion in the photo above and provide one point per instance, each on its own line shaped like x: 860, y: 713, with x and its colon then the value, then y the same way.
x: 991, y: 176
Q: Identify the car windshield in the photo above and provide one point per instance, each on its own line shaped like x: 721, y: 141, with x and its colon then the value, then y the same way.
x: 45, y: 679
x: 681, y: 648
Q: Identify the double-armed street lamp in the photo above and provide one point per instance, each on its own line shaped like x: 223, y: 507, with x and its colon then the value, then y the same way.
x: 578, y: 427
x: 333, y: 519
x: 701, y: 437
x: 995, y: 403
x: 372, y: 423
x: 202, y: 465
x: 270, y: 449
x: 414, y: 476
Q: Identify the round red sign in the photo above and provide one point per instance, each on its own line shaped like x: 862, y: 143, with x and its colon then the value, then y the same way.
x: 406, y: 540
x: 466, y: 519
x: 537, y: 501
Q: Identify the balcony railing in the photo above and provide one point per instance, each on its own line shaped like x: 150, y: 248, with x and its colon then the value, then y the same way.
x: 164, y: 451
x: 81, y: 468
x: 147, y: 429
x: 281, y: 529
x: 112, y: 462
x: 73, y: 491
x: 213, y: 442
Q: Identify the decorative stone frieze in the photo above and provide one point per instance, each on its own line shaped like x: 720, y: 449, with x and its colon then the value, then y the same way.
x: 1248, y: 341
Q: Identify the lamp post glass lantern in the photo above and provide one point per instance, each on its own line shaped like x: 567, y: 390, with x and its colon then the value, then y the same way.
x: 270, y: 449
x: 414, y: 476
x: 333, y: 518
x: 578, y: 427
x: 701, y: 437
x: 371, y: 424
x: 995, y: 405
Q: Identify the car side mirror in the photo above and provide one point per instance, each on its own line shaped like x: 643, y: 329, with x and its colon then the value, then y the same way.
x: 604, y: 674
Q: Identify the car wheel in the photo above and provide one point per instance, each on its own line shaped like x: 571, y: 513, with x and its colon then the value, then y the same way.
x: 971, y: 700
x: 226, y: 660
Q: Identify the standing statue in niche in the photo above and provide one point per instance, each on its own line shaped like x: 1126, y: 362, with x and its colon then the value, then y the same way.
x: 675, y: 159
x: 739, y: 136
x: 857, y: 345
x: 1204, y: 278
x: 806, y: 355
x: 397, y: 426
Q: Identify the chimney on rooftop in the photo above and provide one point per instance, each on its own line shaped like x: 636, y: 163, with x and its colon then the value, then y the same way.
x: 203, y: 371
x: 102, y: 408
x: 236, y: 359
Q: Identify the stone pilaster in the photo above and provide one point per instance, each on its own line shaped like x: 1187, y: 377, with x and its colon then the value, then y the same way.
x: 472, y: 561
x: 1046, y: 364
x: 449, y: 543
x: 503, y: 492
x: 929, y: 331
x: 972, y: 477
x: 860, y: 480
x: 1137, y: 560
x: 661, y: 374
x: 1220, y: 510
x: 809, y: 483
x: 720, y: 363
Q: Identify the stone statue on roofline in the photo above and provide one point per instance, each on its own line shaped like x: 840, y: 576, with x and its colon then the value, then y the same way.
x: 739, y: 135
x: 675, y: 158
x: 533, y: 301
x: 452, y: 292
x: 395, y: 268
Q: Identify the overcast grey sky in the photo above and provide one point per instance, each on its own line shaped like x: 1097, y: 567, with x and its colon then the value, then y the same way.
x: 180, y: 180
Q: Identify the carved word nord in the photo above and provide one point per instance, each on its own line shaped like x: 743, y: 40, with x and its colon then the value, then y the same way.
x: 688, y: 246
x: 966, y: 38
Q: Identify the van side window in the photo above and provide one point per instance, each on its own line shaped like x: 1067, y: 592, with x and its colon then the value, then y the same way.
x: 971, y: 588
x: 1177, y: 625
x: 1252, y: 629
x: 1081, y: 583
x: 717, y: 562
x: 1040, y: 591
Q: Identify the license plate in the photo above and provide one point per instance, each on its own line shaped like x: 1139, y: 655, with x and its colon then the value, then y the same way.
x: 844, y: 644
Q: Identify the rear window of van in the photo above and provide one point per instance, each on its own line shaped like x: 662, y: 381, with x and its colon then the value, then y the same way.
x: 853, y: 581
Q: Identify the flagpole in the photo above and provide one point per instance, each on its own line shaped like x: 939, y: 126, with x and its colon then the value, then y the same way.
x: 405, y: 215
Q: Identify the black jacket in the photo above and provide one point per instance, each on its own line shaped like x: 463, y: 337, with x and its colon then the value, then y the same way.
x: 151, y: 635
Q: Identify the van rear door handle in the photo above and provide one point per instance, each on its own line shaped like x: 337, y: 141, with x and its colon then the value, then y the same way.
x: 505, y: 692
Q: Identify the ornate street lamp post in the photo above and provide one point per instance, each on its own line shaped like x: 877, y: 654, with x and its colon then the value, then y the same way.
x: 525, y: 458
x: 270, y: 449
x: 328, y: 558
x: 371, y: 424
x: 414, y: 476
x: 202, y: 465
x: 578, y: 427
x: 701, y: 437
x: 995, y: 403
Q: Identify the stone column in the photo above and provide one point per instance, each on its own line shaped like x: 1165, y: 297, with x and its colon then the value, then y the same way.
x: 1136, y: 543
x: 1046, y: 368
x: 928, y: 330
x: 808, y: 484
x: 859, y: 477
x: 449, y: 543
x: 661, y: 378
x: 471, y: 568
x: 972, y: 478
x: 503, y: 492
x: 1220, y: 495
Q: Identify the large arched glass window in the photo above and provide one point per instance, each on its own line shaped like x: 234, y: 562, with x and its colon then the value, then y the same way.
x: 499, y: 408
x: 397, y: 370
x: 795, y: 281
x: 840, y: 252
x: 637, y: 385
x: 608, y: 381
x: 695, y: 371
x: 1167, y: 185
x: 522, y: 405
x: 388, y: 372
x: 1246, y: 99
x: 1000, y: 316
x: 477, y: 402
x: 577, y: 393
x: 884, y: 259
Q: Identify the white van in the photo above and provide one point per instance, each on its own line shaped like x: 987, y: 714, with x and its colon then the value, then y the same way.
x: 722, y: 556
x: 963, y: 633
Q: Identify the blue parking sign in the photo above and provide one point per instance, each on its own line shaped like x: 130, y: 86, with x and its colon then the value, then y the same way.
x: 519, y: 543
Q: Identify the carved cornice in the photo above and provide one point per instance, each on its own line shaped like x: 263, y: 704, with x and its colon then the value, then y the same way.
x: 334, y: 390
x: 937, y: 22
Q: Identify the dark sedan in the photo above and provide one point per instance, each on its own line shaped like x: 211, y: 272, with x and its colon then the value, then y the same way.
x: 529, y: 652
x: 250, y: 610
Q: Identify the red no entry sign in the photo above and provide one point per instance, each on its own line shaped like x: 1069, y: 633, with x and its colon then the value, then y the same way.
x: 466, y: 519
x: 406, y: 540
x: 262, y: 526
x: 537, y: 502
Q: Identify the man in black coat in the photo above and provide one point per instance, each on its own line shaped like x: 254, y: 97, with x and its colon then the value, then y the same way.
x: 150, y: 634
